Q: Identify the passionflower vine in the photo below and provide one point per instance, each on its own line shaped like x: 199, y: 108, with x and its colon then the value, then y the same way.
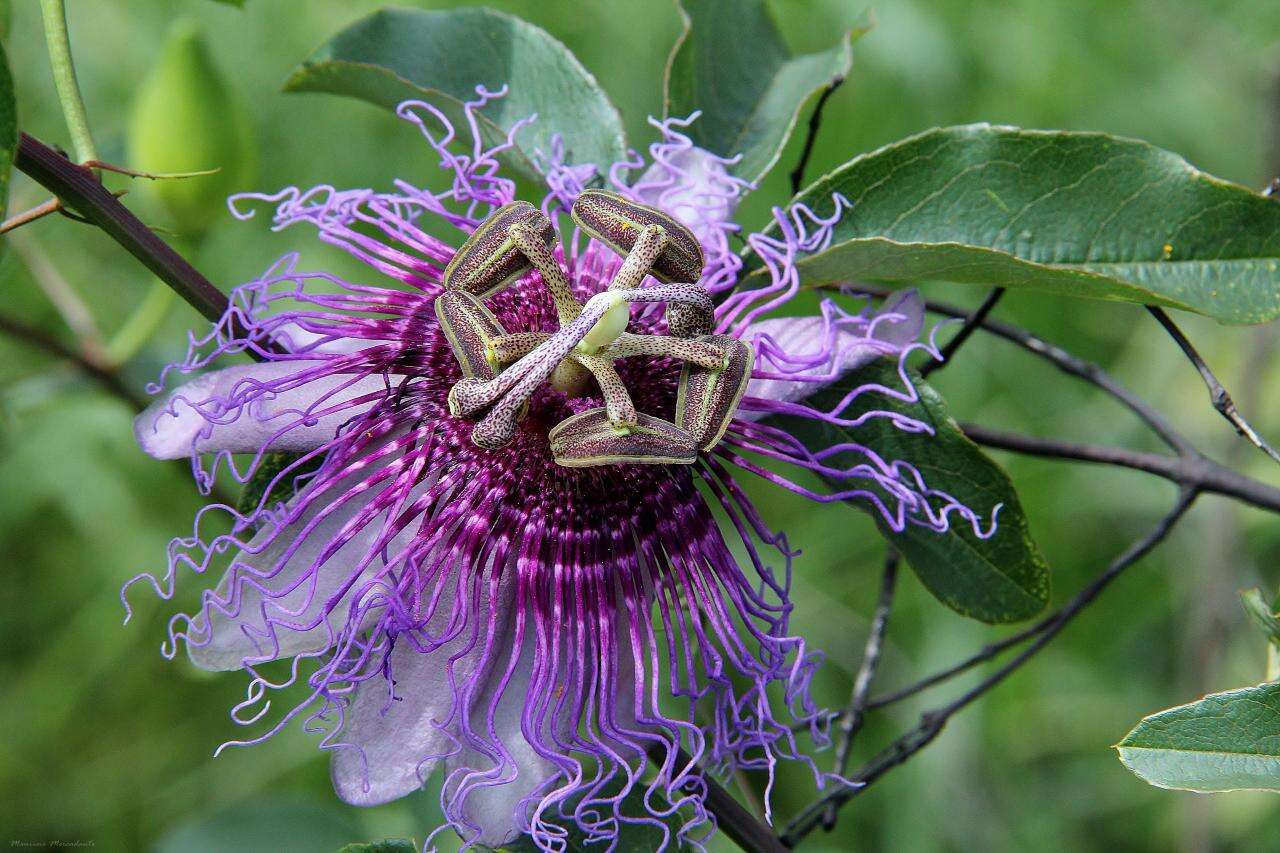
x: 495, y: 491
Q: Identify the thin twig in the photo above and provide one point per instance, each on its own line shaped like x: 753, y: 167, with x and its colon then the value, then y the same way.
x: 815, y: 122
x: 971, y: 323
x: 731, y: 818
x: 43, y: 209
x: 151, y: 176
x: 1218, y: 395
x: 932, y: 722
x: 1192, y: 470
x: 986, y: 653
x: 854, y: 714
x: 1059, y: 358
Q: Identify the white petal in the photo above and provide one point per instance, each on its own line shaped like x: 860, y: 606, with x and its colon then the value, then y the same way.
x: 696, y: 191
x: 395, y: 737
x: 800, y: 336
x: 185, y: 430
x: 229, y: 644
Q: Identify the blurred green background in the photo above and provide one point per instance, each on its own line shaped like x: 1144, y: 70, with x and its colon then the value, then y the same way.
x: 102, y: 740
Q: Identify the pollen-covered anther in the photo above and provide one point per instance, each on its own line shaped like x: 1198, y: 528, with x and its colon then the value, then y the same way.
x: 491, y: 257
x: 471, y: 329
x: 590, y: 438
x: 619, y: 223
x: 707, y: 399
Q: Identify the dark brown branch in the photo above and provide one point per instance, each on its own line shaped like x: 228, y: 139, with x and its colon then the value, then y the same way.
x: 932, y: 722
x: 971, y: 323
x: 80, y: 190
x: 815, y: 122
x: 107, y: 378
x: 1218, y: 395
x: 731, y: 818
x: 854, y: 714
x: 1193, y: 471
x: 1063, y: 360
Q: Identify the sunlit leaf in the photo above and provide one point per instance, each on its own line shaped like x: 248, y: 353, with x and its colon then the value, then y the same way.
x: 441, y: 56
x: 1224, y: 742
x: 733, y: 65
x: 1075, y: 214
x: 1000, y: 579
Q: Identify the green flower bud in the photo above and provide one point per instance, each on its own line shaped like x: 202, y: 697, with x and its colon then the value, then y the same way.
x: 185, y: 118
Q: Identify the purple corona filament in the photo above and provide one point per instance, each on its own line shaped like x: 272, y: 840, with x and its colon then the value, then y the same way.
x: 540, y: 636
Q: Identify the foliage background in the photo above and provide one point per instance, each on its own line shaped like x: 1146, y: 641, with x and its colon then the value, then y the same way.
x: 105, y: 741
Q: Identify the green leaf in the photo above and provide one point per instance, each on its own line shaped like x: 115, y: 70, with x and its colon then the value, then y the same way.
x: 389, y: 845
x: 733, y: 65
x: 1076, y: 214
x: 239, y: 4
x: 1001, y: 579
x: 1225, y: 742
x: 441, y: 56
x: 8, y: 130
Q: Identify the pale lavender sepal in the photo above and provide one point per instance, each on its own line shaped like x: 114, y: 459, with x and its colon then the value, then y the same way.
x: 229, y: 644
x: 390, y: 747
x: 694, y: 186
x: 845, y: 351
x: 173, y: 428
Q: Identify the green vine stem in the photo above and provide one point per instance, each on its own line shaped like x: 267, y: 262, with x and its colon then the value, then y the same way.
x: 54, y: 14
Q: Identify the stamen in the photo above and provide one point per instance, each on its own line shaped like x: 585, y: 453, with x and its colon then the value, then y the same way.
x: 617, y: 402
x: 490, y: 259
x: 544, y: 261
x: 639, y: 261
x: 618, y: 223
x: 588, y: 439
x: 508, y: 348
x: 696, y: 352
